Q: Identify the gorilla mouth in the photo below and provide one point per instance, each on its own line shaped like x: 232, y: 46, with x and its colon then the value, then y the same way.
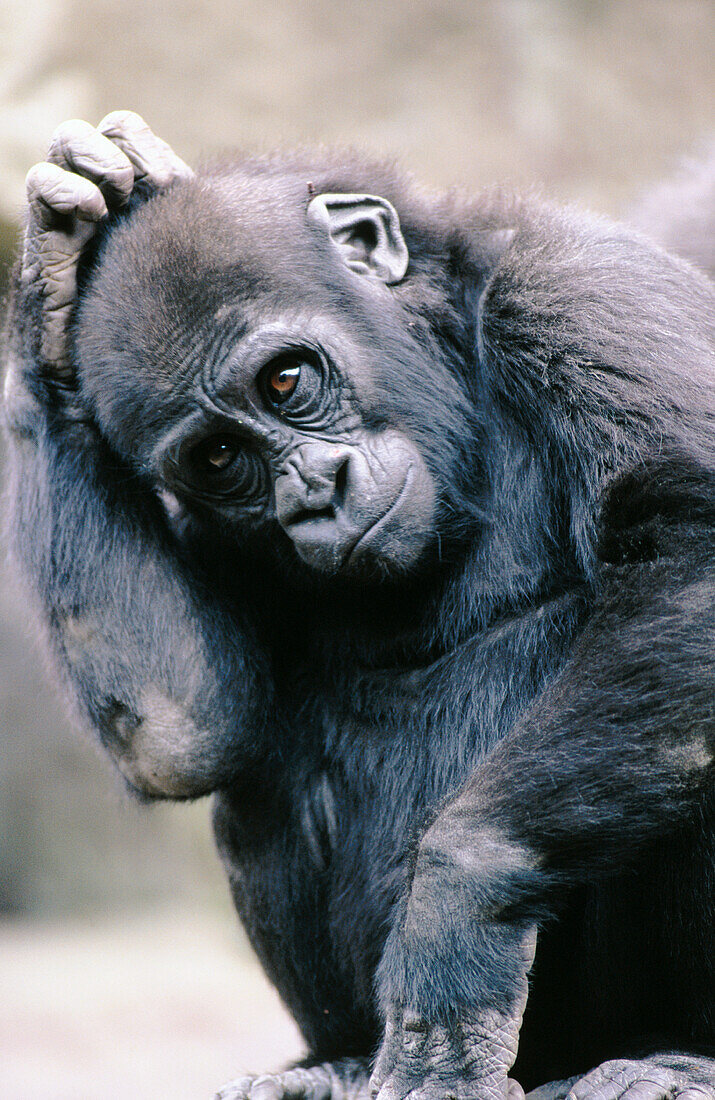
x: 330, y: 540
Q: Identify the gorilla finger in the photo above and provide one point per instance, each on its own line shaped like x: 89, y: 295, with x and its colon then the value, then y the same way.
x: 81, y: 148
x: 302, y: 1083
x: 55, y: 194
x: 238, y: 1089
x: 606, y: 1082
x: 152, y: 158
x: 54, y: 339
x: 294, y: 1084
x: 64, y: 209
x: 514, y: 1091
x: 268, y: 1086
x: 651, y: 1089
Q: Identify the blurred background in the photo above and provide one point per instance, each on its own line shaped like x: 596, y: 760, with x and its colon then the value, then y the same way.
x: 123, y: 971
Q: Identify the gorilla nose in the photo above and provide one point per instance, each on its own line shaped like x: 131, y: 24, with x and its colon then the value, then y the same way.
x: 312, y: 484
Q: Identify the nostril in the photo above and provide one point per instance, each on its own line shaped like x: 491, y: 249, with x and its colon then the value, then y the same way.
x: 313, y: 486
x: 341, y: 482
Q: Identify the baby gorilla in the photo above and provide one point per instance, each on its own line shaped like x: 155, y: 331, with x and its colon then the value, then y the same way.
x: 389, y: 519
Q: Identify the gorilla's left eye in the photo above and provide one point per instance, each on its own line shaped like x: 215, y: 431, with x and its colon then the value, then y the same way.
x: 292, y: 384
x: 280, y: 379
x: 220, y: 467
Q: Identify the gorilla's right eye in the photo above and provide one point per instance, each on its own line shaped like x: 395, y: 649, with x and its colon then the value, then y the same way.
x: 219, y: 467
x: 293, y: 384
x: 215, y: 454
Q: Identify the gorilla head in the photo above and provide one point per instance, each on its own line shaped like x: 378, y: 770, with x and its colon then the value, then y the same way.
x: 256, y: 359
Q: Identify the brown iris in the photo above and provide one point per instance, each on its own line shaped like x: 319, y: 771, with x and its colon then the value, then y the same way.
x: 280, y: 379
x: 221, y: 455
x: 216, y: 453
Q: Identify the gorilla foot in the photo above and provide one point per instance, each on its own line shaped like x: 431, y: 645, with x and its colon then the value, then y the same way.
x: 657, y: 1078
x: 344, y: 1080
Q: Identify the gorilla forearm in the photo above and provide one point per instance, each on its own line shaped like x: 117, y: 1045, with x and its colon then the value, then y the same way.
x: 576, y: 812
x: 145, y: 652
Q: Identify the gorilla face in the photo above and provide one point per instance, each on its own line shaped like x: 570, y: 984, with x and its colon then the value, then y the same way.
x: 291, y: 446
x: 267, y: 408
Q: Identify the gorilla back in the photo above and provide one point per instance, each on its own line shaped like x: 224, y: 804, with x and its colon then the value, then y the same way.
x: 389, y: 519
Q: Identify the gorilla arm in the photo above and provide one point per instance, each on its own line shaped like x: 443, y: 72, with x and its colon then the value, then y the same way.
x: 615, y: 753
x: 145, y: 650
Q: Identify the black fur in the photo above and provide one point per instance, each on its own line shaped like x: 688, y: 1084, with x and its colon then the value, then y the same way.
x: 534, y: 700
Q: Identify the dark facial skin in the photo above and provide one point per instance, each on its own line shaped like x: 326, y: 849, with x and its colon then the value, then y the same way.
x: 286, y: 443
x: 388, y: 518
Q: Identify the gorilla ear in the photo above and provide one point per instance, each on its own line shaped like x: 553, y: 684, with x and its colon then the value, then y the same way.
x: 365, y: 229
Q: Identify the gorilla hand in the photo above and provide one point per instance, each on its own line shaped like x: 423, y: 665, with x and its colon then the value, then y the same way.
x: 468, y: 1059
x: 88, y: 174
x: 467, y: 1053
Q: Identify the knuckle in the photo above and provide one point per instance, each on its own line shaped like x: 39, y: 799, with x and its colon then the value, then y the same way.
x: 45, y: 180
x: 36, y: 179
x: 49, y: 187
x: 120, y: 122
x: 117, y: 168
x: 74, y: 129
x: 266, y: 1087
x: 235, y: 1090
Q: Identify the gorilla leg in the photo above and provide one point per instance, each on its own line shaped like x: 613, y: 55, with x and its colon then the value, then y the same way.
x: 557, y: 803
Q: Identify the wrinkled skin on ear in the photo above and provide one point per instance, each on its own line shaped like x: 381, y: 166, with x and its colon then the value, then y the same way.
x: 365, y: 229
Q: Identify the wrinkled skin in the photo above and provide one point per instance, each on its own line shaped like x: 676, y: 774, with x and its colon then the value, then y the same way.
x: 470, y: 1057
x: 86, y: 168
x: 343, y: 1080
